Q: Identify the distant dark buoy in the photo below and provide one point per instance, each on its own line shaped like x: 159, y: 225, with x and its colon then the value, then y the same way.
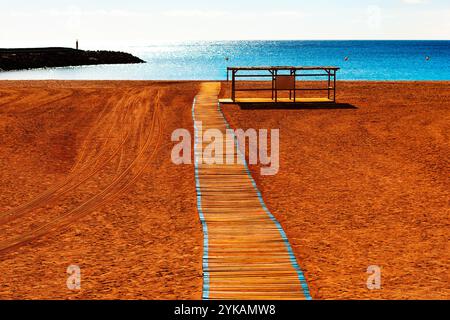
x: 226, y: 58
x: 427, y: 58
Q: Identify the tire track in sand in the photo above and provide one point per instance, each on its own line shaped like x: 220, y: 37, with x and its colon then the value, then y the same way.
x: 117, y: 186
x: 81, y: 169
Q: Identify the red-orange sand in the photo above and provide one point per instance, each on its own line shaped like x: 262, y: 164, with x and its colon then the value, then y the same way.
x: 104, y: 148
x: 365, y: 186
x: 86, y: 179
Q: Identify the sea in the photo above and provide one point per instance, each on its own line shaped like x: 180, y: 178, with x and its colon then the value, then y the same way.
x: 208, y: 60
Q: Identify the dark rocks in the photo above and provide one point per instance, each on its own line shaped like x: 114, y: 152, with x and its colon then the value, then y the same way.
x: 17, y: 59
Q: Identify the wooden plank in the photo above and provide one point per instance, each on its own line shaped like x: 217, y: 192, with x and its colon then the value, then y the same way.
x: 247, y: 256
x: 280, y: 100
x: 281, y: 68
x: 285, y: 82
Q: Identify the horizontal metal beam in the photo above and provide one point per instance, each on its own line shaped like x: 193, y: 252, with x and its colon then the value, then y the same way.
x: 255, y: 89
x: 296, y: 89
x: 312, y: 89
x: 312, y: 75
x: 254, y: 76
x: 278, y: 68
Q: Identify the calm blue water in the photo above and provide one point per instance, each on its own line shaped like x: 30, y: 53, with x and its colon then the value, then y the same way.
x: 367, y: 60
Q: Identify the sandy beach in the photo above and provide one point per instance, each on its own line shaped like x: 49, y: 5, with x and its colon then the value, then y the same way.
x: 87, y: 179
x: 117, y: 206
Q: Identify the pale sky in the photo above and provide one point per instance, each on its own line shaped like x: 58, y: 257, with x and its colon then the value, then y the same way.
x: 140, y: 22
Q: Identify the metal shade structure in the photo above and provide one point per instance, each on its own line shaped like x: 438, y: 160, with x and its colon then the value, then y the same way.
x: 283, y: 78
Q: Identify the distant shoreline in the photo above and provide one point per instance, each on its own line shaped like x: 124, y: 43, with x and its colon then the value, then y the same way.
x: 33, y: 58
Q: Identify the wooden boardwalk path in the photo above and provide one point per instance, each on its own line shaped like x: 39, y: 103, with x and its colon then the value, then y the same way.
x: 246, y: 252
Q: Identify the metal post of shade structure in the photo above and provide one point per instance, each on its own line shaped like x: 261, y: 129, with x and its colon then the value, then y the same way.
x: 276, y: 88
x: 233, y: 85
x: 334, y: 87
x: 290, y: 91
x: 273, y: 83
x: 329, y: 82
x: 295, y: 84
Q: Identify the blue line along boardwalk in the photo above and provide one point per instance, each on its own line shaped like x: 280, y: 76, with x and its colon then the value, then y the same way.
x: 246, y: 252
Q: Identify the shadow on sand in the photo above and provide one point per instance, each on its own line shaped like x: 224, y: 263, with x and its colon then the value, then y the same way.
x: 296, y: 106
